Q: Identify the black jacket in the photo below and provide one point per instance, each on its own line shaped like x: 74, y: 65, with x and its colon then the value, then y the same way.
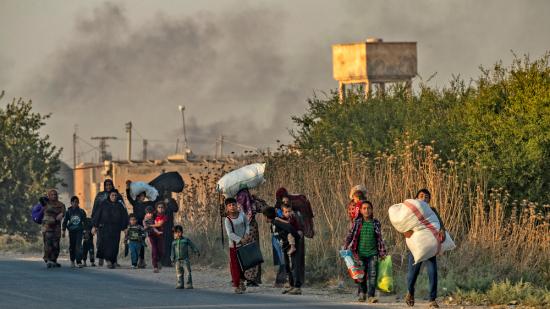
x: 138, y: 207
x: 74, y: 219
x: 282, y: 230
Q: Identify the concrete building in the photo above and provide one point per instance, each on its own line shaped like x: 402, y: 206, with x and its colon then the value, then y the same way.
x: 89, y: 177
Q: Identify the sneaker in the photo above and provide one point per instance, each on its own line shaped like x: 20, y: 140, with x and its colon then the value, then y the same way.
x: 362, y: 298
x: 433, y: 304
x: 372, y: 300
x: 72, y: 264
x: 100, y: 263
x: 156, y: 270
x: 409, y: 299
x: 295, y: 291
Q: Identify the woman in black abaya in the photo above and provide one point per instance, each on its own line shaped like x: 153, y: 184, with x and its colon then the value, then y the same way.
x: 109, y: 221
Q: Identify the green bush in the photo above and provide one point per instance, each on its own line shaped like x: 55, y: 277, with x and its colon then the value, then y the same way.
x: 500, y: 121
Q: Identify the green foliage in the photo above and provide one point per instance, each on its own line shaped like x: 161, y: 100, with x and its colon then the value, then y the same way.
x: 28, y: 166
x: 508, y: 126
x: 506, y: 293
x: 500, y: 121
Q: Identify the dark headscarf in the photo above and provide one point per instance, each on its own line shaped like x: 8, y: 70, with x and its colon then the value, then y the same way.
x: 108, y: 181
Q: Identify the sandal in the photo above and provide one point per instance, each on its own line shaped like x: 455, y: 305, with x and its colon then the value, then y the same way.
x: 409, y: 300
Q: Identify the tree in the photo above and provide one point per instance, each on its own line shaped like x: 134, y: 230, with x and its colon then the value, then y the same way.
x: 508, y: 126
x: 501, y: 121
x: 28, y: 166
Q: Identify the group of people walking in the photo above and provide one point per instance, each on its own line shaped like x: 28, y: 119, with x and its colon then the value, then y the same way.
x: 291, y: 221
x: 365, y: 241
x: 152, y: 220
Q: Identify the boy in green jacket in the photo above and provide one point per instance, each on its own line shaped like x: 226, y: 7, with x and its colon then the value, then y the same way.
x: 180, y: 257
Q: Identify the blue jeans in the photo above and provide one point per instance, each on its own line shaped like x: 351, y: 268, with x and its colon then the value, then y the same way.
x: 414, y: 270
x: 368, y: 285
x: 135, y: 248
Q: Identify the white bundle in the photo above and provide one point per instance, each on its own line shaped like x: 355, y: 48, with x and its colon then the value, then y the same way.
x: 246, y: 177
x: 139, y: 187
x: 417, y: 216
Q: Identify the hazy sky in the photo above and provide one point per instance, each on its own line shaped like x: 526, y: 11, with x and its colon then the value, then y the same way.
x: 241, y: 68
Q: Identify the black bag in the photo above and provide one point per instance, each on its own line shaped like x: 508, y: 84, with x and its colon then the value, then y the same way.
x: 248, y: 255
x: 168, y: 182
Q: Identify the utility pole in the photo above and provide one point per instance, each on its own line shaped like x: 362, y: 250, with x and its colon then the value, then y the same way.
x: 103, y: 155
x: 182, y: 110
x: 74, y: 146
x: 144, y: 154
x: 129, y: 131
x: 221, y: 146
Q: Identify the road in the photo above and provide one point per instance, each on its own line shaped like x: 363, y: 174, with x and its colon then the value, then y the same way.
x: 28, y: 284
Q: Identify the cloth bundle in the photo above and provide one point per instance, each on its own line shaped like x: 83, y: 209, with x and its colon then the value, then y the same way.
x: 246, y: 177
x: 417, y: 216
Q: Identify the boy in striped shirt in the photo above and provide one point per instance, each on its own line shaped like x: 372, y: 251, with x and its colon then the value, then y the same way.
x: 365, y: 242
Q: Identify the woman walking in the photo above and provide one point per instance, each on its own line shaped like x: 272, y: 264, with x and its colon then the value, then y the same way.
x: 54, y: 211
x: 249, y: 207
x: 109, y: 220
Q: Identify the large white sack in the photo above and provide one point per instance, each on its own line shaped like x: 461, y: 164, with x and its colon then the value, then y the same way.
x: 404, y: 219
x: 246, y: 177
x: 139, y: 187
x: 424, y: 245
x: 418, y: 216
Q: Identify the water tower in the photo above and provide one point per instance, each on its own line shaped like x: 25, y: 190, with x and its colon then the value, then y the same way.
x: 373, y: 62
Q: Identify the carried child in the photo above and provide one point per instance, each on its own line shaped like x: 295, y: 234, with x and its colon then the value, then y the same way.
x: 180, y: 257
x: 154, y: 228
x: 135, y: 238
x: 366, y: 243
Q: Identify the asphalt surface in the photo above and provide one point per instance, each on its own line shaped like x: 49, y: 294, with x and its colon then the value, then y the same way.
x: 28, y: 284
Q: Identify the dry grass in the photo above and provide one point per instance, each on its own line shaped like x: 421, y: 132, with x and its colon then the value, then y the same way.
x: 495, y: 235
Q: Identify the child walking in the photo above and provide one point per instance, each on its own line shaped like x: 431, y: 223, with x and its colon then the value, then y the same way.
x: 180, y: 257
x: 237, y: 228
x: 135, y: 236
x: 365, y: 241
x: 154, y: 230
x: 73, y: 221
x: 424, y: 195
x: 88, y: 243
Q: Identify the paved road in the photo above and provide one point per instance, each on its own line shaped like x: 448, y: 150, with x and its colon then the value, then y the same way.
x: 28, y: 284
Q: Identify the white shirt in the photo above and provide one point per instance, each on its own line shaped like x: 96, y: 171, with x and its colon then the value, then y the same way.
x: 241, y: 227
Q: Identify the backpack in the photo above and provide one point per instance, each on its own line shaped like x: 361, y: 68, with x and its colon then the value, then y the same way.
x: 302, y: 207
x: 37, y: 213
